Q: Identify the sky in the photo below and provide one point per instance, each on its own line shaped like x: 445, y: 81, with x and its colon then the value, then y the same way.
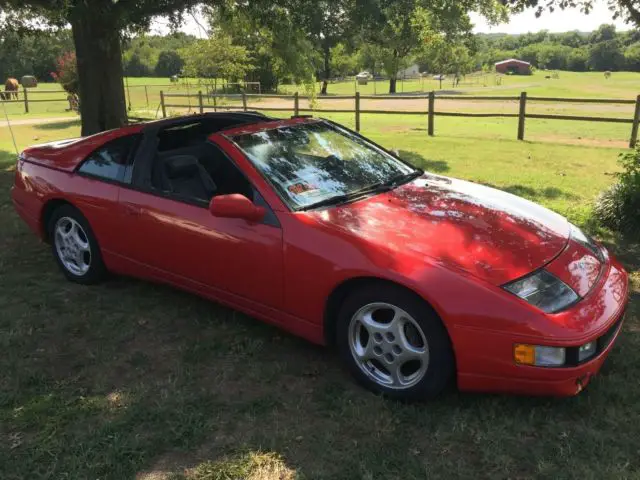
x: 558, y: 21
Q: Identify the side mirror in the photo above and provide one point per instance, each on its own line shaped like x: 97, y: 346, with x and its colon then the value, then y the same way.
x: 235, y: 206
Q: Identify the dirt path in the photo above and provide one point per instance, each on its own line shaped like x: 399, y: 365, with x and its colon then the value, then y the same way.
x: 36, y: 121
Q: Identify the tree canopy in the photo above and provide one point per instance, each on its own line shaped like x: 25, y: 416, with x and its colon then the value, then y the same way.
x: 298, y: 40
x: 628, y: 10
x: 97, y: 27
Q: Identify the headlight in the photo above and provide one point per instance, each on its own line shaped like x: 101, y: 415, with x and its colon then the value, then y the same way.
x: 587, y: 242
x: 543, y: 290
x: 539, y: 356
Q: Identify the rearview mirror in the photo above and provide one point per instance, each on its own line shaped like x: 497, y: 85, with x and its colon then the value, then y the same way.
x: 235, y: 206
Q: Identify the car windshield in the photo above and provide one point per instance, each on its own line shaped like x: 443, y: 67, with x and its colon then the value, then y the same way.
x: 319, y: 163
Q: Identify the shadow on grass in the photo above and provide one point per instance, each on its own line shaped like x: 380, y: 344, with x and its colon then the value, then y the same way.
x: 625, y: 248
x: 129, y: 377
x: 57, y: 125
x: 449, y: 92
x: 547, y: 193
x: 435, y: 166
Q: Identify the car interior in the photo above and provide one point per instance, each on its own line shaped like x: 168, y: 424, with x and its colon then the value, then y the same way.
x: 188, y: 166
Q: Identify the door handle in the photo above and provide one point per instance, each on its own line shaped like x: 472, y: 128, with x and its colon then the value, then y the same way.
x: 132, y: 210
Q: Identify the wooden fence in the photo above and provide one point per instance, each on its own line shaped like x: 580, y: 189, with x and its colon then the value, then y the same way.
x: 430, y: 112
x: 30, y: 96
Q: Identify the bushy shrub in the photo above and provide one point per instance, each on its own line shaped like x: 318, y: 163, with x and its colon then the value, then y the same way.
x: 618, y: 207
x: 67, y: 72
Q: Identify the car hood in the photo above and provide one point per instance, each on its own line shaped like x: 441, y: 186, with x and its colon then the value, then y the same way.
x: 488, y: 233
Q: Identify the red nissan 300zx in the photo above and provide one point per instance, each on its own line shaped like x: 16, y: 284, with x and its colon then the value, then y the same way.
x: 418, y: 279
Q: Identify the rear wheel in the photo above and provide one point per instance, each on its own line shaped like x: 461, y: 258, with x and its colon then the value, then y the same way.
x: 394, y: 343
x: 75, y: 247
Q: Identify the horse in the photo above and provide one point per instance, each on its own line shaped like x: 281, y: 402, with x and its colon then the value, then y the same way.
x: 11, y: 87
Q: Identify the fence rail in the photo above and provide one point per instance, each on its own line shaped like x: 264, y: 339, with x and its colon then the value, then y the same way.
x: 6, y: 97
x: 430, y: 112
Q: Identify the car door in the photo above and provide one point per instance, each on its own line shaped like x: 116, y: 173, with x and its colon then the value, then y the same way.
x: 181, y: 241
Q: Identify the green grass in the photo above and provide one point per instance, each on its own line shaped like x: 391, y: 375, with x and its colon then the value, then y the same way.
x: 132, y: 380
x: 143, y: 94
x: 569, y: 84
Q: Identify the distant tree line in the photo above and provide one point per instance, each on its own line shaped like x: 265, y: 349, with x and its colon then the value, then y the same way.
x: 240, y: 48
x: 155, y: 55
x: 290, y: 41
x: 601, y: 50
x: 32, y: 54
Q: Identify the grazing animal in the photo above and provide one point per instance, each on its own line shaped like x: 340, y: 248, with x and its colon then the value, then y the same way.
x: 11, y: 87
x: 174, y: 78
x: 607, y: 74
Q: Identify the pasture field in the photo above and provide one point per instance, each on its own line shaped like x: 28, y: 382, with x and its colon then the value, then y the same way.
x: 143, y: 95
x: 624, y: 85
x: 129, y: 380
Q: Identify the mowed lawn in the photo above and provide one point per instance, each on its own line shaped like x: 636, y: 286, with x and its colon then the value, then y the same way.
x: 143, y: 94
x: 134, y: 380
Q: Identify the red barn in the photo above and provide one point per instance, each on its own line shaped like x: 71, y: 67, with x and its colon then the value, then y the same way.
x: 516, y: 67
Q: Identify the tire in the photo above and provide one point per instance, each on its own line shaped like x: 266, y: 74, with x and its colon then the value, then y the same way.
x: 382, y: 327
x: 75, y: 246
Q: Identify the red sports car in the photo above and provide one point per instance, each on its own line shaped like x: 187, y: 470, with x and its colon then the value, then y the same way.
x: 418, y: 279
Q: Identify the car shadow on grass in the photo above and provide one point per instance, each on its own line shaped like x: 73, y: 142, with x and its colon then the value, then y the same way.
x: 58, y: 125
x: 129, y: 379
x: 531, y: 193
x: 434, y: 166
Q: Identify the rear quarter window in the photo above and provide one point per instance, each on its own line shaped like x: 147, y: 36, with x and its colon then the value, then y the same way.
x: 113, y: 160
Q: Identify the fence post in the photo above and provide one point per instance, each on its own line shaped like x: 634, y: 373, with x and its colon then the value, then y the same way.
x: 146, y: 94
x: 357, y: 111
x: 636, y: 121
x: 26, y: 100
x: 523, y: 115
x: 200, y: 102
x: 432, y: 106
x: 244, y: 101
x: 164, y: 108
x: 296, y: 105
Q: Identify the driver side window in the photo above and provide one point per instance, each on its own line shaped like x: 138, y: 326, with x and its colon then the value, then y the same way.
x: 197, y: 174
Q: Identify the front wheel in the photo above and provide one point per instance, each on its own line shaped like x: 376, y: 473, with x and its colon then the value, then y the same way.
x: 394, y: 343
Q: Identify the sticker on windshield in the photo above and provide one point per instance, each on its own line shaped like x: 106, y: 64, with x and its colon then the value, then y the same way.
x: 300, y: 188
x: 304, y: 192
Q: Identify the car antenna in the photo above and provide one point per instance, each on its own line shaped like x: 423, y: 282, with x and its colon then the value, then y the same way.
x: 13, y: 137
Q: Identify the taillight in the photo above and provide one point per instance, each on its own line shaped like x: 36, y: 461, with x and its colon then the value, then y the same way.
x: 18, y: 181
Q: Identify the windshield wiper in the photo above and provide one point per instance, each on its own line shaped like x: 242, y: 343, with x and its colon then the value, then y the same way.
x: 404, y: 178
x: 342, y: 198
x: 394, y: 182
x: 331, y: 201
x: 390, y: 184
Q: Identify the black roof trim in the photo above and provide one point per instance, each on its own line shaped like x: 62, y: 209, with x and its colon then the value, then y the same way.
x: 248, y: 117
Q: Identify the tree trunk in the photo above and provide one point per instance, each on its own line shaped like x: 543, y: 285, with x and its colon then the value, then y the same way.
x: 327, y: 70
x: 392, y: 84
x: 393, y: 78
x: 100, y: 75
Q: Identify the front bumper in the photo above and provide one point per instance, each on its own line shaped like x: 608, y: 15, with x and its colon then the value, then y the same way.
x: 598, y: 317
